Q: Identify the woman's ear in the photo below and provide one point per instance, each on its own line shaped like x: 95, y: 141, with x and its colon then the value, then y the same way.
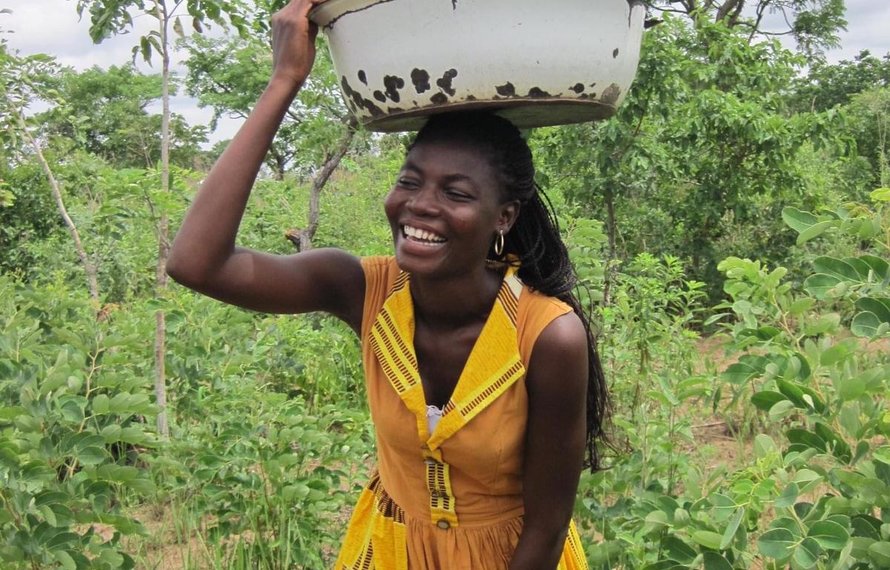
x: 508, y: 216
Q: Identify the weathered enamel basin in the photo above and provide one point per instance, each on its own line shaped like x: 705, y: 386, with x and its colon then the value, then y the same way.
x: 536, y: 62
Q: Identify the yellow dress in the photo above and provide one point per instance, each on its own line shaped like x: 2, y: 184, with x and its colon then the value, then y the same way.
x: 450, y: 499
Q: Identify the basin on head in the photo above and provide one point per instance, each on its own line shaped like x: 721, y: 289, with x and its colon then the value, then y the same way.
x: 536, y: 63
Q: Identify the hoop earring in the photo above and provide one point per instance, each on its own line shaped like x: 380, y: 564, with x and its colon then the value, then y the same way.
x: 499, y: 243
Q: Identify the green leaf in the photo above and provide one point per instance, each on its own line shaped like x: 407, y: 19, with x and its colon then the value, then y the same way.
x: 835, y: 354
x: 801, y: 306
x: 829, y: 534
x: 866, y: 526
x: 880, y: 195
x: 91, y: 455
x: 880, y: 306
x: 879, y: 554
x: 814, y: 231
x: 665, y: 565
x: 863, y: 269
x: 806, y: 554
x: 766, y: 399
x: 715, y: 561
x: 866, y: 325
x: 707, y: 539
x: 852, y: 388
x: 827, y: 323
x: 836, y: 268
x: 740, y: 372
x: 779, y: 411
x: 836, y: 444
x: 101, y: 404
x: 819, y: 284
x: 788, y: 496
x: 655, y: 521
x: 676, y: 549
x: 65, y: 560
x: 806, y: 438
x: 860, y: 546
x: 801, y: 396
x: 879, y: 266
x: 764, y: 445
x: 731, y: 528
x: 778, y: 543
x: 806, y: 478
x: 798, y: 220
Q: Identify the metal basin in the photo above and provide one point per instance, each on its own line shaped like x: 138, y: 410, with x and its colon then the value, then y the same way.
x: 535, y: 62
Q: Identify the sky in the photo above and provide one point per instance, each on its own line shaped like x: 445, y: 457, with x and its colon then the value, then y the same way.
x: 52, y: 27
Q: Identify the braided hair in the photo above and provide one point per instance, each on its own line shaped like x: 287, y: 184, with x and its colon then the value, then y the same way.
x: 534, y: 239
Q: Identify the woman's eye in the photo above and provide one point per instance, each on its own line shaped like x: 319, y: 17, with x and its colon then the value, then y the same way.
x: 456, y: 194
x: 407, y: 183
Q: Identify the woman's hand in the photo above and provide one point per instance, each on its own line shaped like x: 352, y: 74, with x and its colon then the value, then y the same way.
x: 293, y: 42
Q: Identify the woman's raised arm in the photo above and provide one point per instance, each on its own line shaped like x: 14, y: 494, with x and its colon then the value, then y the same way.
x: 204, y: 256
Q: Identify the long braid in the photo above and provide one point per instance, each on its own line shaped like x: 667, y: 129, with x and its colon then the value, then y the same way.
x: 534, y: 239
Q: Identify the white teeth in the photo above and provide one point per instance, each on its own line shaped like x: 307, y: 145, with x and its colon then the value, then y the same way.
x: 422, y: 235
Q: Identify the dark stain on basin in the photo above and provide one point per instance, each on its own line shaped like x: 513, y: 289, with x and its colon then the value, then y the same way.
x: 537, y: 92
x: 506, y: 90
x: 577, y: 88
x: 439, y: 98
x: 610, y: 94
x: 357, y: 101
x: 393, y: 83
x: 362, y: 76
x: 614, y: 53
x: 444, y: 82
x: 421, y: 80
x: 330, y: 25
x: 380, y: 96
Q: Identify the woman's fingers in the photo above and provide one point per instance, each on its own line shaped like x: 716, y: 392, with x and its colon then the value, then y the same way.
x: 293, y: 40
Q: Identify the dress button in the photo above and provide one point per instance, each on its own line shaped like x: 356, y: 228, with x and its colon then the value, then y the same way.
x: 443, y: 524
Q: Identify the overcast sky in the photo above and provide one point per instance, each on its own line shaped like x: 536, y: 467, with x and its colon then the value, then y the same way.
x: 52, y: 27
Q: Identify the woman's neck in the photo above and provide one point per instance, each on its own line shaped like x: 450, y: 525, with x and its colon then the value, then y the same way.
x: 455, y: 302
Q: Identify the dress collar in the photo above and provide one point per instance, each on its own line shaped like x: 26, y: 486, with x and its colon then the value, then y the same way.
x: 493, y: 365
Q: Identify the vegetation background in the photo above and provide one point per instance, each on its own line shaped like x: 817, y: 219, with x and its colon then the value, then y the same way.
x: 730, y: 226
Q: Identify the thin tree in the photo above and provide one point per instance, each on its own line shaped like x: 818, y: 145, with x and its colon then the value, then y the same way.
x: 109, y: 17
x: 19, y: 81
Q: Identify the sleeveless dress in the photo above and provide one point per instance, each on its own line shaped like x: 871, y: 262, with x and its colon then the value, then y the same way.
x: 450, y: 499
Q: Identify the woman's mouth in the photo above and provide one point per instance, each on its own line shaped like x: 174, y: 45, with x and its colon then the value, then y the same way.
x: 422, y: 236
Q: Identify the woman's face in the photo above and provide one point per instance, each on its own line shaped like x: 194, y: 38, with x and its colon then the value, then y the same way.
x: 445, y: 209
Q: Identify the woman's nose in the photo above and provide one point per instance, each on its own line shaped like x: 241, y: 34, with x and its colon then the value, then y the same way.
x: 424, y: 201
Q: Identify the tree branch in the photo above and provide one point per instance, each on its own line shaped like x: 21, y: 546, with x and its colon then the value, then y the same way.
x: 332, y: 160
x: 88, y: 267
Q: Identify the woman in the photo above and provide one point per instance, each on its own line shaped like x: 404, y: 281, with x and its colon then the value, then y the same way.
x: 482, y: 374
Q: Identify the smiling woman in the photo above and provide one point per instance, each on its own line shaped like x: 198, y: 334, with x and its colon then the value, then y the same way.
x: 482, y: 375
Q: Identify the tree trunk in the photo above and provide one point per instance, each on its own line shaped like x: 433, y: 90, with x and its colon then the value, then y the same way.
x: 332, y: 160
x: 160, y: 345
x: 88, y: 266
x: 609, y: 273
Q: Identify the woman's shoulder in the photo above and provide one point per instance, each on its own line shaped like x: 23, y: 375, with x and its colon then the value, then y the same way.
x: 381, y: 272
x: 533, y: 303
x: 379, y: 267
x: 535, y: 313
